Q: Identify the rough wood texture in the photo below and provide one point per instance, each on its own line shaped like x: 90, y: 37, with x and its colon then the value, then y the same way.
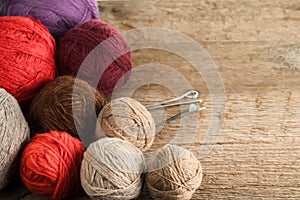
x: 255, y: 45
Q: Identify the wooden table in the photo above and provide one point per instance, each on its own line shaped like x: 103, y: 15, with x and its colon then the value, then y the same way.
x: 256, y: 48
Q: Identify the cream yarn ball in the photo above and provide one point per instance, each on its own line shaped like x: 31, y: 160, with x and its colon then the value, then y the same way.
x: 112, y: 169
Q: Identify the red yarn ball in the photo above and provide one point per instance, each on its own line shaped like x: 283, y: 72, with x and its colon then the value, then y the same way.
x: 50, y: 164
x: 27, y: 56
x: 112, y: 61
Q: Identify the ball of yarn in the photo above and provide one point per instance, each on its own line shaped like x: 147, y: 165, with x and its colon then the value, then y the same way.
x: 174, y: 173
x: 14, y: 133
x: 58, y: 16
x: 111, y: 169
x: 27, y: 56
x: 108, y: 66
x: 127, y: 119
x: 66, y: 104
x: 50, y: 164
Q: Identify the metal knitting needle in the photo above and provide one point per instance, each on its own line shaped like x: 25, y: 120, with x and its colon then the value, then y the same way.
x: 175, y: 104
x: 190, y: 94
x: 192, y: 109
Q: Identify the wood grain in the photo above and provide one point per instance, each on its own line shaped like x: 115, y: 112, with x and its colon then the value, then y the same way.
x: 256, y: 48
x: 255, y: 45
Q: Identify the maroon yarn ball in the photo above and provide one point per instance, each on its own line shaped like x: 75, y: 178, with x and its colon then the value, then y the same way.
x: 98, y: 54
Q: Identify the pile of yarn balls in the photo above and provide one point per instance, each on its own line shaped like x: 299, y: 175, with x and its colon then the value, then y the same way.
x: 59, y: 65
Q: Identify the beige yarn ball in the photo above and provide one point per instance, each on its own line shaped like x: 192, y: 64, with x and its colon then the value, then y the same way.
x: 14, y: 134
x: 127, y: 119
x: 112, y: 169
x: 174, y: 173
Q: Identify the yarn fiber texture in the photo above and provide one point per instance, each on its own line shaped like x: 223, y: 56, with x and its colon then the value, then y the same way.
x: 127, y: 119
x: 174, y: 173
x: 58, y: 16
x: 27, y: 56
x: 54, y: 109
x: 14, y: 134
x: 111, y: 169
x: 107, y: 66
x: 50, y: 164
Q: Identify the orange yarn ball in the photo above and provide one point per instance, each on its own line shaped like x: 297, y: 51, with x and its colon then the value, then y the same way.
x: 50, y: 164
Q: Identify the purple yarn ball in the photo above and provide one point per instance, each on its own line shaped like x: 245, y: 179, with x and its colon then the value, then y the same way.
x: 58, y: 16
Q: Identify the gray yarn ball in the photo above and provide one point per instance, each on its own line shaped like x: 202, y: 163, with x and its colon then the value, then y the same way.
x: 112, y: 169
x: 14, y: 134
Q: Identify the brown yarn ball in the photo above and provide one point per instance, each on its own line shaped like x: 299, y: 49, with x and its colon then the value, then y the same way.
x: 127, y: 119
x: 174, y: 173
x: 112, y: 169
x: 54, y: 109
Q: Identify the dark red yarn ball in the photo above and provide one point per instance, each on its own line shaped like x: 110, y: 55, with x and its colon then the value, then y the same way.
x: 100, y: 66
x: 26, y: 56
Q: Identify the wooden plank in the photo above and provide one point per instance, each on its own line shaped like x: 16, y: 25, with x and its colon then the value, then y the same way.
x: 256, y: 48
x: 255, y: 45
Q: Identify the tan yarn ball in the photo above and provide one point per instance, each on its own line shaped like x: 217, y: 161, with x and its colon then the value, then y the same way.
x: 174, y: 173
x: 112, y: 169
x: 127, y: 119
x: 14, y: 134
